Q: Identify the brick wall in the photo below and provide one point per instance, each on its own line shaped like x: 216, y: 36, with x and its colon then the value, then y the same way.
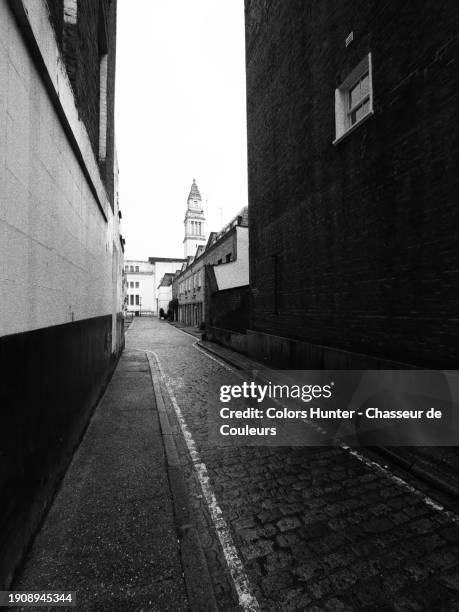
x: 354, y: 246
x: 229, y: 309
x: 82, y: 44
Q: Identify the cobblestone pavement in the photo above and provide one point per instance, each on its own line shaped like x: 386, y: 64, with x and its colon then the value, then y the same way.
x: 316, y: 528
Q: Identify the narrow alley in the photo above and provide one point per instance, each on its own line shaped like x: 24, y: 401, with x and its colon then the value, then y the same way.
x: 280, y: 528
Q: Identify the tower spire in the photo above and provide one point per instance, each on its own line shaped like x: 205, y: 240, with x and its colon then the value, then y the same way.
x: 194, y: 192
x: 195, y: 222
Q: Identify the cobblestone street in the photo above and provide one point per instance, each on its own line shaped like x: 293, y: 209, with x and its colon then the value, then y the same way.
x: 315, y: 528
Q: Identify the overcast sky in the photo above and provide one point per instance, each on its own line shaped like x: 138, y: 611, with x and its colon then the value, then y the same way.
x: 180, y: 114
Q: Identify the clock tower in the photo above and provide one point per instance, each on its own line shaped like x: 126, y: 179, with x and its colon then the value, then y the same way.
x: 195, y: 232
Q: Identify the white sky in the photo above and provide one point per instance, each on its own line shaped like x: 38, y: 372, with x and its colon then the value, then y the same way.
x: 180, y: 114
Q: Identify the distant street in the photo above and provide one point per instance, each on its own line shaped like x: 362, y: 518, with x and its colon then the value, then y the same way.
x: 314, y: 528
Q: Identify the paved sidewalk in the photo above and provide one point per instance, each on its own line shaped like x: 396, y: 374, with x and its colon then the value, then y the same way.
x: 110, y: 534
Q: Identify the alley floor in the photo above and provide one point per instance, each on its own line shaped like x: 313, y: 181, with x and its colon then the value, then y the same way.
x: 282, y: 528
x: 315, y: 528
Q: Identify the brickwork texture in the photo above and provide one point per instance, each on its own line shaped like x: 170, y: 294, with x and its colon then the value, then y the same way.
x: 354, y: 245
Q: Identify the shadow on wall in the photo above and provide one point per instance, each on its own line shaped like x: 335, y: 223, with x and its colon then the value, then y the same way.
x: 51, y: 381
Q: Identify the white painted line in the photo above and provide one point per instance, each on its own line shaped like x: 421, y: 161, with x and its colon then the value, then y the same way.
x: 247, y: 601
x: 376, y: 467
x: 373, y: 465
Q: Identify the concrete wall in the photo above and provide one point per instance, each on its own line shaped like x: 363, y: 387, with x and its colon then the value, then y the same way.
x: 56, y: 243
x: 360, y: 235
x: 60, y: 274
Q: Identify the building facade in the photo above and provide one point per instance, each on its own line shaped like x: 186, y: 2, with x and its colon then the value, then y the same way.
x: 61, y: 327
x: 352, y: 154
x: 142, y: 278
x: 226, y: 252
x: 165, y: 293
x: 194, y: 222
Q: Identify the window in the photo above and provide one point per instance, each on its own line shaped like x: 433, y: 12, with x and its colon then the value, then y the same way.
x: 137, y: 268
x: 359, y: 99
x: 220, y: 261
x: 131, y: 268
x: 228, y: 258
x: 137, y: 302
x: 131, y: 284
x: 137, y: 285
x: 131, y: 300
x: 354, y: 99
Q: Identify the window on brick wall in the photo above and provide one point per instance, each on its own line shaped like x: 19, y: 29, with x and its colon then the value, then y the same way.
x: 354, y: 99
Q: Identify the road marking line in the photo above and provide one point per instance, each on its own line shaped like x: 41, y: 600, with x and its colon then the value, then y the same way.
x: 373, y: 465
x: 247, y: 601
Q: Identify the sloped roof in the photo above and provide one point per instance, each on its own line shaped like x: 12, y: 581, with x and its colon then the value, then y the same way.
x: 166, y: 280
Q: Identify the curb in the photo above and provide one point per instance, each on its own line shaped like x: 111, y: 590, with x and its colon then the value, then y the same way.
x: 415, y: 468
x: 231, y: 362
x: 199, y: 588
x: 185, y: 331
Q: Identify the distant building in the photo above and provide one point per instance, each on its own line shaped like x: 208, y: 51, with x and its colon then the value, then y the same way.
x: 353, y: 143
x: 61, y: 325
x: 140, y: 287
x: 142, y: 278
x: 165, y: 292
x: 224, y: 259
x: 194, y: 222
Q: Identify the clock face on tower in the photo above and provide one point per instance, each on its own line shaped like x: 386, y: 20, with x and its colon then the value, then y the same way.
x: 195, y: 205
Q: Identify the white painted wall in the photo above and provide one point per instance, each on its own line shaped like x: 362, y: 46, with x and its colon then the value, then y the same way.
x: 164, y: 297
x: 56, y: 247
x: 235, y: 273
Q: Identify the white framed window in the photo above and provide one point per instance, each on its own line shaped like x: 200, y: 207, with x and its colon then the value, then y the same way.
x: 354, y: 99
